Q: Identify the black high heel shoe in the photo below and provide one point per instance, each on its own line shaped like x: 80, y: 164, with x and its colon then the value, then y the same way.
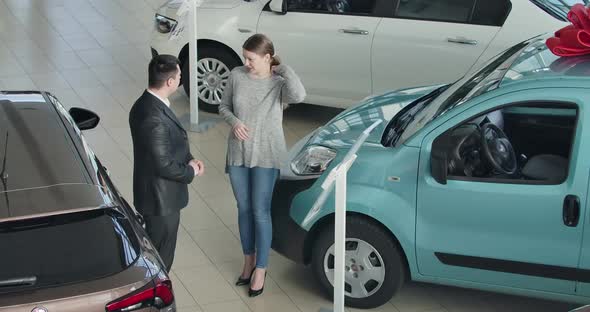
x: 254, y: 293
x: 245, y: 281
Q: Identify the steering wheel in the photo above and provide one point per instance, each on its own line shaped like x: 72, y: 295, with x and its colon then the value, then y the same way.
x: 338, y: 6
x: 497, y: 149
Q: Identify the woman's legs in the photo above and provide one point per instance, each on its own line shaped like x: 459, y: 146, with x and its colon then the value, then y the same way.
x: 262, y: 187
x: 240, y: 182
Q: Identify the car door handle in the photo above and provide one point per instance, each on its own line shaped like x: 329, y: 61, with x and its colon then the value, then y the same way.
x: 354, y: 31
x: 461, y: 40
x: 571, y: 210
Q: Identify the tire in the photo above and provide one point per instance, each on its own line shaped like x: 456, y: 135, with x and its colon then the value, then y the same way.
x: 386, y: 262
x: 217, y: 62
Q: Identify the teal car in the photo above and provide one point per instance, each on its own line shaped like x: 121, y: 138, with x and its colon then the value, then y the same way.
x: 482, y: 184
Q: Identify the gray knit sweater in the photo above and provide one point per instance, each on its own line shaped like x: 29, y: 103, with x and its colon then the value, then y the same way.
x: 259, y: 104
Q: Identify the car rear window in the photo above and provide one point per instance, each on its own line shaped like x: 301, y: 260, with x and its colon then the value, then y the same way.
x: 64, y: 249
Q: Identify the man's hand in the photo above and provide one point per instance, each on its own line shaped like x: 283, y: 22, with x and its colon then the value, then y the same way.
x: 198, y: 166
x: 241, y: 132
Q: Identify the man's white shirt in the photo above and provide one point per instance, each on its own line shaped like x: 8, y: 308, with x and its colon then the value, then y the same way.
x: 165, y: 101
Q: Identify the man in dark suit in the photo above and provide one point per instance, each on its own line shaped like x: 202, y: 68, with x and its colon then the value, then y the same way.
x: 163, y: 165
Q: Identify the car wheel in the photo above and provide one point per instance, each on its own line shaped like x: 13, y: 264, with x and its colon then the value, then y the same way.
x: 213, y: 68
x: 374, y: 269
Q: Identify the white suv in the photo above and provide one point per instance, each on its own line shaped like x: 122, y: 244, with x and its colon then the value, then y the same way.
x: 345, y: 50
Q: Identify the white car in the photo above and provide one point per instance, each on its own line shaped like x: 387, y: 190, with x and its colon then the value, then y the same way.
x: 345, y: 50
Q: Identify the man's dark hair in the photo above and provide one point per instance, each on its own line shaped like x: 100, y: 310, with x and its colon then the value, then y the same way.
x: 161, y: 68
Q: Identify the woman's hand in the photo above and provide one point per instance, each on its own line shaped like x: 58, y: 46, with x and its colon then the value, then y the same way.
x: 241, y: 132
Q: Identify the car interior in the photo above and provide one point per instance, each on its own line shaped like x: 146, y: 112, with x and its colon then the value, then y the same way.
x: 528, y: 143
x: 453, y: 10
x: 333, y: 6
x: 483, y: 12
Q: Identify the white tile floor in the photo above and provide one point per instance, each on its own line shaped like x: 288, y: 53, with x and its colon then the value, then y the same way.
x: 94, y: 54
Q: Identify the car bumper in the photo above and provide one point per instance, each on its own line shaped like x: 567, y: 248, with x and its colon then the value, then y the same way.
x: 288, y: 237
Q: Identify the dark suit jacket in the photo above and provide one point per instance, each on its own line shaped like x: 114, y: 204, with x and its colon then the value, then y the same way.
x: 161, y: 153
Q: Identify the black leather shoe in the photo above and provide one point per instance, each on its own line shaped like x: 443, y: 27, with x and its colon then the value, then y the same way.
x: 244, y: 281
x: 258, y: 292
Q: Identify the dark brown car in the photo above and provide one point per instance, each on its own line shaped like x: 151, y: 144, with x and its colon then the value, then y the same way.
x: 68, y: 240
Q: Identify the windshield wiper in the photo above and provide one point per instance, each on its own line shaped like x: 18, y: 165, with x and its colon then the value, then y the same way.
x: 18, y: 282
x: 400, y: 122
x: 395, y: 132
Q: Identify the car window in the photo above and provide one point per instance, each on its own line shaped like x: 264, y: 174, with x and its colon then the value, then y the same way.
x: 64, y: 113
x: 525, y: 143
x: 437, y: 10
x: 78, y: 137
x: 352, y: 7
x: 65, y: 249
x: 491, y: 13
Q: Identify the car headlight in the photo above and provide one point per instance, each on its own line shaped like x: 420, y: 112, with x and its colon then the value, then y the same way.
x: 165, y: 24
x: 313, y: 160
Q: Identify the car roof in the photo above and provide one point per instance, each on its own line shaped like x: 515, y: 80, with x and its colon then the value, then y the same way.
x: 41, y: 171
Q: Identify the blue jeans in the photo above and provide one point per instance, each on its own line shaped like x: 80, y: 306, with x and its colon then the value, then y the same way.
x: 253, y: 188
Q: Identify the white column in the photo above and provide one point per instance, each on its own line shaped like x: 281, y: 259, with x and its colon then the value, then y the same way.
x: 193, y: 59
x: 338, y: 177
x: 340, y: 239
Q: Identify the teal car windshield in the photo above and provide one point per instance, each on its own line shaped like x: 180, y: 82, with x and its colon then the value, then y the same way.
x: 485, y: 80
x: 558, y: 8
x: 537, y: 61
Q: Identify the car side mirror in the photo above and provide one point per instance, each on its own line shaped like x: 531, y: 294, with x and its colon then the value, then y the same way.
x: 84, y: 119
x: 278, y: 6
x: 438, y: 159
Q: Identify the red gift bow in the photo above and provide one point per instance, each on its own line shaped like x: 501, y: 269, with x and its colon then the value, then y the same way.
x: 573, y: 39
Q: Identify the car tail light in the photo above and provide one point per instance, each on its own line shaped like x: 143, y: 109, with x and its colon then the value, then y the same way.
x: 157, y: 293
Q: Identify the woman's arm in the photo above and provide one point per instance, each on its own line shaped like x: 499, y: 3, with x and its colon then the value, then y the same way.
x: 292, y: 90
x: 226, y: 108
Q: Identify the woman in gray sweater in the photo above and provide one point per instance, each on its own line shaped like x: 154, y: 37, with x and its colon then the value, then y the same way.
x: 253, y: 104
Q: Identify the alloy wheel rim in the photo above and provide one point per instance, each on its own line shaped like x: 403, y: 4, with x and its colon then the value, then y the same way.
x: 212, y: 76
x: 364, y: 271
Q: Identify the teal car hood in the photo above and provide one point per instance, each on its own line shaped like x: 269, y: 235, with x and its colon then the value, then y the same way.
x: 345, y: 128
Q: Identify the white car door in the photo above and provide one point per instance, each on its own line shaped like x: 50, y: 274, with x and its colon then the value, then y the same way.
x: 427, y: 42
x: 328, y: 44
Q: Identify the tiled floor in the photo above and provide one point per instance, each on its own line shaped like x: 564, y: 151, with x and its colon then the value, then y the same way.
x: 93, y: 54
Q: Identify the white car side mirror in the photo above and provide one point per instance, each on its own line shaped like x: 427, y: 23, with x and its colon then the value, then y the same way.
x: 278, y: 6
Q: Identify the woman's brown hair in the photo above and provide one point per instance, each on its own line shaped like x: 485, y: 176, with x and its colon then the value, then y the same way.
x: 262, y: 45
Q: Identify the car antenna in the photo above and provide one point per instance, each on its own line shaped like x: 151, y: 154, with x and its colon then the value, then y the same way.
x: 3, y: 174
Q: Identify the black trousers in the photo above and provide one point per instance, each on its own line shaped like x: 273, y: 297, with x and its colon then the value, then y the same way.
x: 163, y: 231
